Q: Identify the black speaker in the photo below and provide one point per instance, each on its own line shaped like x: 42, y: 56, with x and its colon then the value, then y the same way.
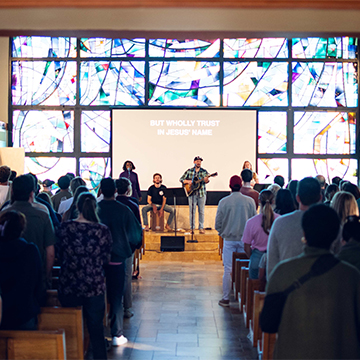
x: 172, y: 243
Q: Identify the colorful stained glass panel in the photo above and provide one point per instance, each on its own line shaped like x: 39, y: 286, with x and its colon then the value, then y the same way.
x: 95, y: 131
x: 43, y: 131
x: 43, y: 83
x: 102, y: 47
x: 170, y: 48
x: 324, y: 84
x: 325, y: 48
x: 93, y: 170
x: 272, y: 136
x: 112, y: 83
x: 256, y: 48
x: 184, y: 83
x: 344, y: 168
x: 269, y: 168
x: 255, y: 84
x: 324, y: 133
x: 49, y: 167
x: 43, y: 46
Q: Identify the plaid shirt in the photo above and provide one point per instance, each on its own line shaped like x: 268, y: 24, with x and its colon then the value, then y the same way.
x: 189, y: 175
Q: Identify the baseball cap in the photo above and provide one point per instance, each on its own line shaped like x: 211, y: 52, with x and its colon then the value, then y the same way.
x: 198, y: 158
x: 235, y: 180
x: 48, y: 182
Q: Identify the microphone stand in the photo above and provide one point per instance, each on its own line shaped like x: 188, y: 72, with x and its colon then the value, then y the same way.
x: 192, y: 220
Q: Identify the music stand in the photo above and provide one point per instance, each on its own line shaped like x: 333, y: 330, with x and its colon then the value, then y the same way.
x: 175, y: 193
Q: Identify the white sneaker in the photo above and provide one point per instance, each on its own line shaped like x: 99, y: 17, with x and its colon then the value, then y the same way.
x: 119, y: 340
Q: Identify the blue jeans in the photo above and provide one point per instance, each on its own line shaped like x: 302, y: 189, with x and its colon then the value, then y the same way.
x: 254, y: 263
x: 200, y: 202
x: 148, y: 208
x: 93, y: 310
x: 115, y: 282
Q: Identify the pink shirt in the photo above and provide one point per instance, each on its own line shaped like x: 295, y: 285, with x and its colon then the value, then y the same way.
x: 254, y: 234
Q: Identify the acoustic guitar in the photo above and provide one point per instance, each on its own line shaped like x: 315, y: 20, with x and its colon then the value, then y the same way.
x: 196, y: 184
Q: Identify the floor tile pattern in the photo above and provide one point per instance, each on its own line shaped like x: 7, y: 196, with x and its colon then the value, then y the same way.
x: 177, y: 316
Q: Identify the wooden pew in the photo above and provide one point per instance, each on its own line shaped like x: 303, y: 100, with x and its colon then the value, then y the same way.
x: 244, y: 274
x: 221, y: 246
x: 239, y: 263
x: 69, y: 319
x: 52, y: 298
x: 143, y: 244
x: 266, y: 346
x: 236, y: 255
x: 54, y: 282
x: 136, y: 260
x: 251, y: 286
x: 55, y: 271
x: 255, y: 330
x: 39, y: 345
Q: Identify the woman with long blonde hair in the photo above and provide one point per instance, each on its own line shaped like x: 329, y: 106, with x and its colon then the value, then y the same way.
x: 255, y: 179
x: 256, y: 232
x: 345, y: 205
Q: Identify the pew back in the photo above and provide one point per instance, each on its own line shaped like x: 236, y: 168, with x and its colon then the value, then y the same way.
x: 69, y: 319
x: 239, y: 263
x: 251, y: 286
x: 41, y: 345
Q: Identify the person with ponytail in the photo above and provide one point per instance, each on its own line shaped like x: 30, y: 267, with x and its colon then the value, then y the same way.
x: 257, y: 231
x: 83, y: 250
x: 72, y: 212
x: 20, y: 274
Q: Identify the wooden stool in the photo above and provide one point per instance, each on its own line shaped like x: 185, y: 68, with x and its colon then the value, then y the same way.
x: 156, y: 221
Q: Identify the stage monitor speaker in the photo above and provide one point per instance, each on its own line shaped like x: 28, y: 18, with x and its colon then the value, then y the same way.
x: 172, y: 243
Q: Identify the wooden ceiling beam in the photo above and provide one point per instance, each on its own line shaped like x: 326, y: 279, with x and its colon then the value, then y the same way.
x: 239, y: 4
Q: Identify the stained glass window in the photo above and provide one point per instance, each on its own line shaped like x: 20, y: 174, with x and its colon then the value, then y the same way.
x: 43, y: 46
x: 50, y: 167
x: 256, y: 48
x: 255, y: 84
x: 170, y: 48
x: 324, y: 48
x: 93, y: 170
x: 184, y: 83
x: 324, y: 84
x: 269, y: 168
x: 102, y: 47
x: 272, y: 132
x: 43, y: 131
x: 253, y: 72
x: 344, y: 168
x: 43, y: 83
x: 324, y: 132
x: 95, y: 131
x: 112, y: 83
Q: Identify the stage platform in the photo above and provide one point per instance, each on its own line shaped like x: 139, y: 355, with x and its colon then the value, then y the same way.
x: 207, y: 247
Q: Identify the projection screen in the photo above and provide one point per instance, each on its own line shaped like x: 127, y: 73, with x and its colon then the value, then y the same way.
x: 166, y: 141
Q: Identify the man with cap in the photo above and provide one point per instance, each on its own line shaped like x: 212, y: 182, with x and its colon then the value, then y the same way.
x: 198, y: 197
x: 47, y: 184
x: 232, y: 214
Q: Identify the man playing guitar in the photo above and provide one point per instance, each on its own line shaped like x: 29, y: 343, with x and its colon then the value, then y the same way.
x: 197, y: 197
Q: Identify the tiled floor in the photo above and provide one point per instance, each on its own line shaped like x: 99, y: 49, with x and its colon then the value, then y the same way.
x: 177, y: 316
